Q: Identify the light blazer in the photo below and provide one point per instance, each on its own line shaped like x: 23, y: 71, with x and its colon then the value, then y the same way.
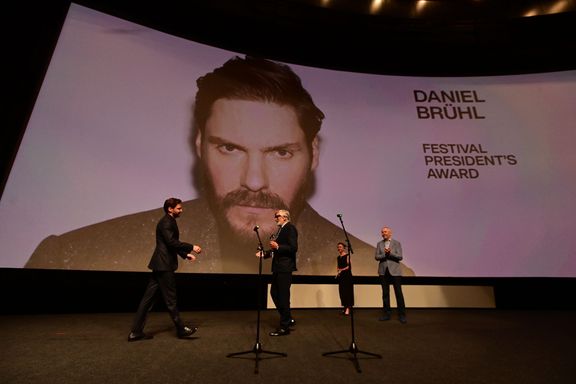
x: 390, y: 261
x: 168, y: 246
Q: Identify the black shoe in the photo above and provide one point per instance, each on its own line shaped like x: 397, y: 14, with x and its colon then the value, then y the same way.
x: 135, y: 336
x: 292, y: 323
x: 384, y: 318
x: 186, y: 332
x: 280, y: 332
x: 402, y: 319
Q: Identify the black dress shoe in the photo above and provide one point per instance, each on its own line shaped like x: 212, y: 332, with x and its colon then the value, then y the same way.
x: 135, y: 336
x: 402, y: 319
x: 186, y: 332
x: 280, y: 332
x: 384, y: 318
x: 292, y: 323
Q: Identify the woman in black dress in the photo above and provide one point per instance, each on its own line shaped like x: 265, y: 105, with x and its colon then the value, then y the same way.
x: 344, y: 276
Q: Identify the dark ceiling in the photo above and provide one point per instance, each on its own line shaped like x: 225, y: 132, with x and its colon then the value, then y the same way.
x: 411, y: 37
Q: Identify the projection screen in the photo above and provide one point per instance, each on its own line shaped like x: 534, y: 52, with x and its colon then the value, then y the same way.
x: 475, y: 175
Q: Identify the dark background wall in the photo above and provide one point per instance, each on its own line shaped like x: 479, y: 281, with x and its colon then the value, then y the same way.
x: 28, y: 291
x: 445, y: 38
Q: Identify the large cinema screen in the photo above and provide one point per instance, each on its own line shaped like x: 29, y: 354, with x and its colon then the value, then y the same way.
x: 475, y: 175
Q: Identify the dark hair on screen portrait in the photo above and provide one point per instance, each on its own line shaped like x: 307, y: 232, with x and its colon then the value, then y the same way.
x: 256, y: 79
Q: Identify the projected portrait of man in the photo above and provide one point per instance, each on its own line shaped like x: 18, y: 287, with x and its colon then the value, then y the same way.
x: 255, y: 137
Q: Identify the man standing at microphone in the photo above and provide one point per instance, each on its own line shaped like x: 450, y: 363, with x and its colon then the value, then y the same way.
x: 283, y: 248
x: 389, y: 254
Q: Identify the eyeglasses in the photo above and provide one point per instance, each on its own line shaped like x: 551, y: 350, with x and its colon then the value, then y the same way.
x: 277, y: 216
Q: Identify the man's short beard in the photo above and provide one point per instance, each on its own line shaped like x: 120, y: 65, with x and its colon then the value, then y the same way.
x: 244, y: 236
x: 243, y: 233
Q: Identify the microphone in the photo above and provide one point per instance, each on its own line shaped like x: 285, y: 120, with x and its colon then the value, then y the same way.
x: 339, y: 215
x: 256, y: 228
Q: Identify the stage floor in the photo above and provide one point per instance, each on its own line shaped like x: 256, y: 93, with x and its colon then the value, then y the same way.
x: 436, y: 346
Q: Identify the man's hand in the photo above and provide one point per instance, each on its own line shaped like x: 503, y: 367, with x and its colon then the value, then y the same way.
x: 197, y: 249
x: 191, y: 257
x: 274, y: 245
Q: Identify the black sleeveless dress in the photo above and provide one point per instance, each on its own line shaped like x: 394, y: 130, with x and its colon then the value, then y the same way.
x: 345, y: 285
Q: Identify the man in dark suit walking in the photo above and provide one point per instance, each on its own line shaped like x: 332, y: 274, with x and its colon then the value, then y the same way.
x: 163, y: 264
x: 284, y: 245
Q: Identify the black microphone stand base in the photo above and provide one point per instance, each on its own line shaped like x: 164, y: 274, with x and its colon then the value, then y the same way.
x: 353, y: 349
x: 257, y: 351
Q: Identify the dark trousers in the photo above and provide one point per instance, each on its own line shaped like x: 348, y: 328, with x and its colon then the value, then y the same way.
x: 396, y: 281
x: 166, y: 283
x: 280, y: 292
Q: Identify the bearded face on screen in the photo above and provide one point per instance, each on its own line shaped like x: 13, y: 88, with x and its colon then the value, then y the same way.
x: 254, y: 159
x: 255, y: 138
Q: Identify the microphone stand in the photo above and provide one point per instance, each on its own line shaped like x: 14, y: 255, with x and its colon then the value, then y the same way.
x: 257, y: 348
x: 353, y: 349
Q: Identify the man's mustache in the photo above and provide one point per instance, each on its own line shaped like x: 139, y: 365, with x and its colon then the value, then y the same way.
x: 252, y: 199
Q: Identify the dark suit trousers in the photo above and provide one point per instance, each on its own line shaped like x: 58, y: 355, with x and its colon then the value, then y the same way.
x: 396, y: 281
x: 280, y: 292
x: 166, y: 283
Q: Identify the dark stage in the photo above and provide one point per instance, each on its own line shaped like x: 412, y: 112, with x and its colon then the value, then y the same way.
x: 436, y: 346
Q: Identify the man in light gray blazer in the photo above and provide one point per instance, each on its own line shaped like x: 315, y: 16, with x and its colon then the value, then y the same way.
x: 389, y: 254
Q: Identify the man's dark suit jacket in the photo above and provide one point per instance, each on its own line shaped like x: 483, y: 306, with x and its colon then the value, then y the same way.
x: 168, y: 246
x: 285, y: 256
x: 125, y: 243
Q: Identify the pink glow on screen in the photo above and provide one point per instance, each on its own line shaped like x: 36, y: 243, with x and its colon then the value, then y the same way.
x: 94, y: 150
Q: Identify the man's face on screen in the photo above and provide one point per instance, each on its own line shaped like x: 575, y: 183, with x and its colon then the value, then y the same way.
x: 256, y: 161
